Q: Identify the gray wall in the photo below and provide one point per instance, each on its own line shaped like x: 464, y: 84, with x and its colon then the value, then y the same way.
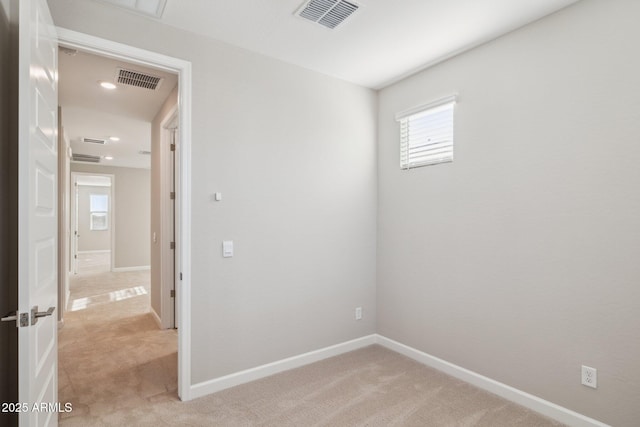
x: 156, y: 206
x: 519, y: 259
x: 8, y: 210
x: 130, y: 211
x: 293, y: 153
x: 92, y: 240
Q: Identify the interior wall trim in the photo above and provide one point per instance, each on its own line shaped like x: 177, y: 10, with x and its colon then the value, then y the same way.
x: 512, y: 394
x: 248, y: 375
x: 133, y: 268
x: 535, y: 403
x: 156, y: 317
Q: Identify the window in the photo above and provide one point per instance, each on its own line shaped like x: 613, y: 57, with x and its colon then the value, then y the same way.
x: 98, y: 209
x: 426, y: 134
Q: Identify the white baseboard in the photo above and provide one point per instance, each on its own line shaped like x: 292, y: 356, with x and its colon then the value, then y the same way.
x: 520, y: 397
x: 100, y: 251
x: 227, y: 381
x: 135, y: 268
x: 156, y: 317
x: 512, y: 394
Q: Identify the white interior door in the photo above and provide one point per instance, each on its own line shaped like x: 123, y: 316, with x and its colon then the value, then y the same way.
x: 74, y: 225
x: 37, y: 207
x: 172, y: 225
x: 168, y: 156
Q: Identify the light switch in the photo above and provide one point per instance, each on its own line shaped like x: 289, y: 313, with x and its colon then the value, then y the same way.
x: 217, y: 197
x: 227, y: 248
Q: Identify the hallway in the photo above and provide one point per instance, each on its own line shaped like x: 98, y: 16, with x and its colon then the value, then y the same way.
x: 111, y: 353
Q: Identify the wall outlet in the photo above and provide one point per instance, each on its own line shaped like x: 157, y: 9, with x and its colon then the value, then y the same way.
x: 589, y: 376
x: 358, y: 313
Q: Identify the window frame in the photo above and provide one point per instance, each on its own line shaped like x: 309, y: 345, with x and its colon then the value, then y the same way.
x: 434, y: 107
x: 98, y: 219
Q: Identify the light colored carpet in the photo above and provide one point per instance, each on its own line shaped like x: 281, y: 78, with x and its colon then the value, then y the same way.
x: 118, y: 369
x: 94, y: 263
x: 112, y: 356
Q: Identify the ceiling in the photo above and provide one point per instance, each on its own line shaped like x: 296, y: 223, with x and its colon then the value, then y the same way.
x: 126, y: 112
x: 380, y: 43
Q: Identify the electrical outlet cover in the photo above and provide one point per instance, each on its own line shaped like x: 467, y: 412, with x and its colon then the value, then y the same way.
x: 589, y: 376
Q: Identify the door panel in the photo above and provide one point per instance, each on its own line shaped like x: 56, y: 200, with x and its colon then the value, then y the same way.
x: 37, y: 206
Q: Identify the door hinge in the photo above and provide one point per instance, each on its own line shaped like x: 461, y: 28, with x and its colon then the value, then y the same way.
x: 173, y: 293
x: 173, y: 147
x: 172, y: 195
x: 172, y: 245
x: 180, y: 276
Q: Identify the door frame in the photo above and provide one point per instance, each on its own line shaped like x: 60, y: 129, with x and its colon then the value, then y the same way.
x: 168, y: 220
x: 112, y: 210
x: 108, y: 48
x: 64, y: 219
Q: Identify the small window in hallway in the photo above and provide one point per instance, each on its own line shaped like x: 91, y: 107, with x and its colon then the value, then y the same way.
x: 426, y: 134
x: 99, y: 208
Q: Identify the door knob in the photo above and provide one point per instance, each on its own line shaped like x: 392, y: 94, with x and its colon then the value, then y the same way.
x: 9, y: 317
x: 35, y: 314
x: 24, y: 318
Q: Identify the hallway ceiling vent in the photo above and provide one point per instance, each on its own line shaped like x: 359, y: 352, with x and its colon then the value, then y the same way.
x: 94, y: 140
x: 144, y: 152
x: 329, y: 13
x: 76, y: 157
x: 138, y: 79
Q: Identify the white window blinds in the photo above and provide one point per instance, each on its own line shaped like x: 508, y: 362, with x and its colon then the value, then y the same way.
x: 98, y: 203
x: 426, y: 134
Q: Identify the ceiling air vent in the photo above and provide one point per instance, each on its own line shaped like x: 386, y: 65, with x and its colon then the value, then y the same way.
x: 329, y: 13
x: 94, y: 140
x: 85, y: 158
x: 138, y: 79
x: 144, y: 152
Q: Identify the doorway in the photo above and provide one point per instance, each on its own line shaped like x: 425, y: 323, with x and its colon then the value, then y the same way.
x: 92, y: 225
x: 181, y: 275
x: 112, y: 130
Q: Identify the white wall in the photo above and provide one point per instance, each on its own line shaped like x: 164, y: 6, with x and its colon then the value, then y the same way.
x: 130, y: 211
x: 92, y: 240
x: 519, y: 259
x: 293, y: 153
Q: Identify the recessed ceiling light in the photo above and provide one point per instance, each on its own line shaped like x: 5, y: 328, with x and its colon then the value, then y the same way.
x: 114, y: 138
x: 107, y: 85
x: 108, y: 157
